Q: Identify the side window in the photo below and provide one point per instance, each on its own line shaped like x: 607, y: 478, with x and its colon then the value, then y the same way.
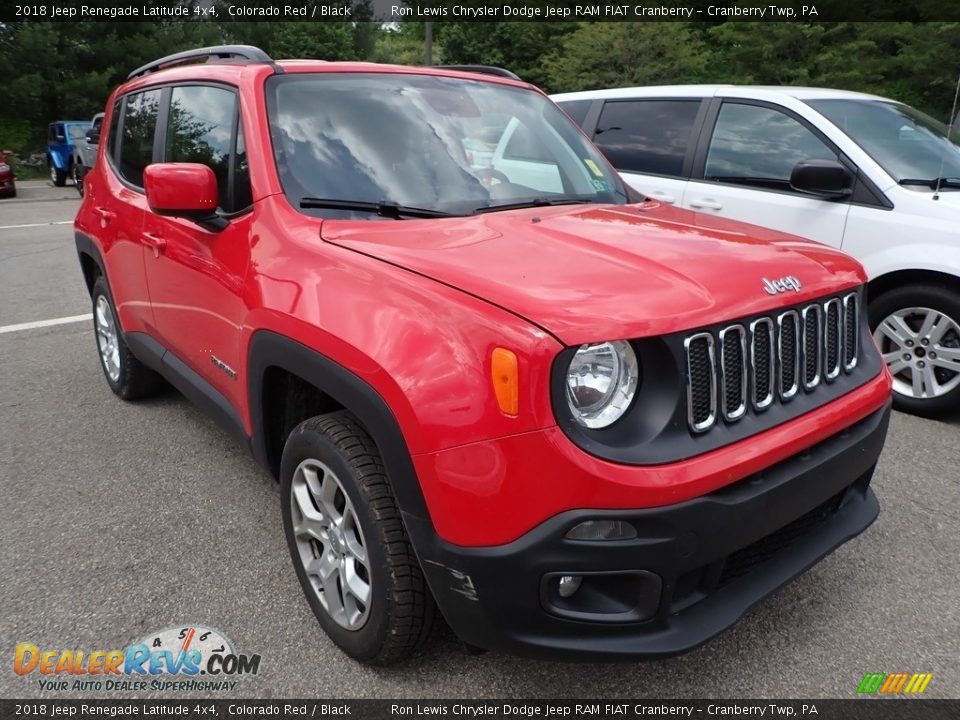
x: 576, y: 109
x: 114, y: 139
x: 200, y: 130
x: 647, y: 136
x: 758, y: 146
x: 139, y: 126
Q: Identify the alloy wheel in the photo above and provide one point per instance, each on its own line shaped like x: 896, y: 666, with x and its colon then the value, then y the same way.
x: 330, y: 544
x: 107, y: 339
x: 921, y: 347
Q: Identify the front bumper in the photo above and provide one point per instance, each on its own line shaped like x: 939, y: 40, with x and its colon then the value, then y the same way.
x: 694, y: 569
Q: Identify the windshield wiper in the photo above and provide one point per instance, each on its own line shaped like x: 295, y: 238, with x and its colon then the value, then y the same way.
x: 933, y: 183
x: 533, y: 202
x: 383, y: 209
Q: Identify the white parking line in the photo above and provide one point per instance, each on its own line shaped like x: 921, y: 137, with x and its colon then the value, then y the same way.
x: 45, y: 323
x: 14, y: 227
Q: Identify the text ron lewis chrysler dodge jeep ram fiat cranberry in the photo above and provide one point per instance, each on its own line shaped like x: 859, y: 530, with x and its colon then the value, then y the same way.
x: 566, y: 418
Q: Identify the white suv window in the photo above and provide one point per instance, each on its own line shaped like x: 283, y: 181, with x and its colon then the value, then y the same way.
x: 647, y: 136
x: 759, y: 146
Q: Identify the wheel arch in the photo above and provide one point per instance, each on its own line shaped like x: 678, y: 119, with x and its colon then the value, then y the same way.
x: 339, y: 388
x: 91, y: 262
x: 899, y: 278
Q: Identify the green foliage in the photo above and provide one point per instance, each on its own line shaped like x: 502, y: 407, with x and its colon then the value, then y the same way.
x: 397, y: 47
x: 14, y: 134
x: 65, y: 70
x: 598, y: 55
x: 517, y: 46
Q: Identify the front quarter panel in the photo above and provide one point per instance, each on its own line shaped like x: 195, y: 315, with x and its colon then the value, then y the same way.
x: 918, y: 234
x: 424, y: 347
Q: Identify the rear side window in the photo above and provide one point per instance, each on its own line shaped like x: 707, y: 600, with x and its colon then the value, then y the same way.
x: 200, y: 129
x: 139, y: 127
x: 647, y: 136
x: 758, y: 146
x: 576, y: 109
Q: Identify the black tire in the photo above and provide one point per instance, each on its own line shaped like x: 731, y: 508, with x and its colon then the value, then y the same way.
x: 401, y: 611
x: 78, y: 172
x: 57, y: 176
x: 133, y: 380
x: 935, y: 297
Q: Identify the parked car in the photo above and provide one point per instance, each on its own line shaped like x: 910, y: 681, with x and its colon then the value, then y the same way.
x: 62, y: 137
x: 854, y: 171
x: 85, y: 152
x: 8, y: 185
x: 572, y: 422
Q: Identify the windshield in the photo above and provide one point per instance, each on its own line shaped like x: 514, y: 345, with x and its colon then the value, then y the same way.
x: 905, y: 142
x: 77, y: 132
x: 436, y: 144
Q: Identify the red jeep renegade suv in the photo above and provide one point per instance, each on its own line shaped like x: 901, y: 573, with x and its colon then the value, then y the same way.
x: 492, y: 382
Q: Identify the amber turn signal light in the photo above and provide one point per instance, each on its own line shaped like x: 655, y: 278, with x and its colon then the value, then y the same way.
x: 506, y: 384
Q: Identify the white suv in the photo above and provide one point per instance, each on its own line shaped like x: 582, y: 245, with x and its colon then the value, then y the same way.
x: 873, y: 176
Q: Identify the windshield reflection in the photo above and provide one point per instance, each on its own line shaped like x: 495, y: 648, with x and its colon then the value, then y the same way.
x: 427, y: 142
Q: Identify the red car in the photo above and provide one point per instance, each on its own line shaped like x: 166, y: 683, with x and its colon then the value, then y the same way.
x: 8, y: 185
x: 566, y: 418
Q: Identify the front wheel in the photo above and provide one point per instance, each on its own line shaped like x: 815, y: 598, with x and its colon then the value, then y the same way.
x: 917, y: 328
x: 348, y: 542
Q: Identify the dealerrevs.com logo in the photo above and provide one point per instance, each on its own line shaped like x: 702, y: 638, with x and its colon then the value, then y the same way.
x: 187, y: 657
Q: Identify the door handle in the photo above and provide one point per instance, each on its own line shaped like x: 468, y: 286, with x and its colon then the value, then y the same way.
x: 663, y: 197
x: 105, y: 215
x: 157, y: 243
x: 706, y: 204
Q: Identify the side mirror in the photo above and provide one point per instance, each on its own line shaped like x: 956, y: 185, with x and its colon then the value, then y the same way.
x: 187, y: 190
x: 93, y: 136
x: 827, y: 179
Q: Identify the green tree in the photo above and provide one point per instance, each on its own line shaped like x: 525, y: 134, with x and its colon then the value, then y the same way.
x: 516, y: 46
x: 598, y: 55
x: 63, y: 70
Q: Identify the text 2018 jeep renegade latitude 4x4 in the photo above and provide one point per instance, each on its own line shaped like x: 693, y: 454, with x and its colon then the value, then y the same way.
x: 566, y: 418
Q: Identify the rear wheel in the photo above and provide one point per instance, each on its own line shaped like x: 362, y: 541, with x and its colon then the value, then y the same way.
x: 78, y: 172
x: 57, y: 176
x: 348, y: 543
x: 127, y: 377
x: 917, y: 328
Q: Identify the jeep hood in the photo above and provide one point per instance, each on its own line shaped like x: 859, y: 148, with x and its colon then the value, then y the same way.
x: 587, y: 273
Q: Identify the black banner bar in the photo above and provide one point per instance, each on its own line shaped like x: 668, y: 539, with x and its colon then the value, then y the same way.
x: 220, y: 11
x: 854, y: 709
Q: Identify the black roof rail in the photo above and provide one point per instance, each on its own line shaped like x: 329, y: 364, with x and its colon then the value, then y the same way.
x: 243, y: 52
x: 484, y: 69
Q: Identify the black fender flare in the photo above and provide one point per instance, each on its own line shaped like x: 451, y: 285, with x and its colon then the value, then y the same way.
x: 86, y: 246
x: 268, y: 349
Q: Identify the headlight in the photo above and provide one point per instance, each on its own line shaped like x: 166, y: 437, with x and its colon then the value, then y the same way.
x: 4, y: 167
x: 601, y: 382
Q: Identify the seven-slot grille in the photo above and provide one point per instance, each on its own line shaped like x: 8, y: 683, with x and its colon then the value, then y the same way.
x: 752, y: 365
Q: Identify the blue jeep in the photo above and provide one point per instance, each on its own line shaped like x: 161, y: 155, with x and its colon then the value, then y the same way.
x: 62, y: 136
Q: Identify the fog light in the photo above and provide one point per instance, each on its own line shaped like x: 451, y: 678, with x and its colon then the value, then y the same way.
x: 569, y: 584
x: 603, y: 530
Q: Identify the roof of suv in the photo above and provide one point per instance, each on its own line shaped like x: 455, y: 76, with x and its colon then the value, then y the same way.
x: 800, y: 93
x: 235, y: 62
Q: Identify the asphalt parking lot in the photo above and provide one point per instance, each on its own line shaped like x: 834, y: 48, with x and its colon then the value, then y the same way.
x: 120, y: 519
